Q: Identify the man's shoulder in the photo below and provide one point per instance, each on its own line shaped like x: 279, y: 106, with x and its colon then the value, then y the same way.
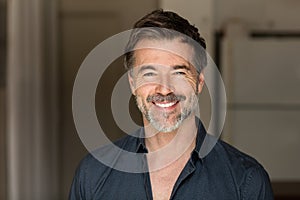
x: 94, y: 160
x: 242, y: 166
x: 235, y: 156
x: 88, y: 166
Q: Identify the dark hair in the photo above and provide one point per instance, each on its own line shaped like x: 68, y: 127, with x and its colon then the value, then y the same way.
x: 161, y: 24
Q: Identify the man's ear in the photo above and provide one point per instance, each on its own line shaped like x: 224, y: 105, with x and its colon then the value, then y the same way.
x: 201, y: 82
x: 131, y: 82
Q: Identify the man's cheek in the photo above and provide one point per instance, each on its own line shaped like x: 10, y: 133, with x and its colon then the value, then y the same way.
x: 186, y: 84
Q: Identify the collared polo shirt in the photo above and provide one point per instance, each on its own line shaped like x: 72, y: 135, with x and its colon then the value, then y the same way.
x: 224, y: 174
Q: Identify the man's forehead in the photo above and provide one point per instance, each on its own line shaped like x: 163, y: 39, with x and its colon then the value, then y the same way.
x: 174, y: 46
x: 157, y: 67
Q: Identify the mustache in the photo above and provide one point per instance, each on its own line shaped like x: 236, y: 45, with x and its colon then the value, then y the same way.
x: 165, y: 98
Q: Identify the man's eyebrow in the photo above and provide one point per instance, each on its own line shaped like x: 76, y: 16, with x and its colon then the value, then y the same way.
x: 181, y: 67
x: 145, y: 67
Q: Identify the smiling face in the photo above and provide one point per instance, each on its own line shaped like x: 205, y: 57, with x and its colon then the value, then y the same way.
x: 165, y: 84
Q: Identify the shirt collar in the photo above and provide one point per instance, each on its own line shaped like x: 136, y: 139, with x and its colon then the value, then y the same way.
x: 200, y: 136
x: 141, y: 146
x: 201, y: 133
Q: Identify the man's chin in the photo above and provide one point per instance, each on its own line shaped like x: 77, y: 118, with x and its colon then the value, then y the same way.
x: 166, y: 127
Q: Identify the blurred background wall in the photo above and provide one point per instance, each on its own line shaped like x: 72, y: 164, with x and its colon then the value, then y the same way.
x: 254, y: 43
x: 2, y: 99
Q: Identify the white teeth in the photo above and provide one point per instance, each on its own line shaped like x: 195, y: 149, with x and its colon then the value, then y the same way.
x: 165, y: 105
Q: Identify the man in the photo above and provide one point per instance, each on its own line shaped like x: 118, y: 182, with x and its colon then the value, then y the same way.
x: 165, y: 57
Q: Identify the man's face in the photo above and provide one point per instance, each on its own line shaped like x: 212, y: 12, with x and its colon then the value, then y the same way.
x: 165, y: 84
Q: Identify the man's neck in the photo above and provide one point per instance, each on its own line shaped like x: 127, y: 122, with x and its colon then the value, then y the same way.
x: 157, y: 140
x: 167, y: 147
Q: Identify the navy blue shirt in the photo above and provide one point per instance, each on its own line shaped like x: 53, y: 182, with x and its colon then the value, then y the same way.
x: 225, y: 173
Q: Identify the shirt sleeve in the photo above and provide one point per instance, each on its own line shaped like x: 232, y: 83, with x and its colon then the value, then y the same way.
x: 256, y: 185
x: 75, y: 191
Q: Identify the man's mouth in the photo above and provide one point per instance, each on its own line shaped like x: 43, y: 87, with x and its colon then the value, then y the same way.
x: 165, y: 101
x: 165, y: 104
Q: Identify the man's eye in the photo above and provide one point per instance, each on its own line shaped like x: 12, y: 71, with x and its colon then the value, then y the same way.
x: 179, y: 73
x: 149, y: 74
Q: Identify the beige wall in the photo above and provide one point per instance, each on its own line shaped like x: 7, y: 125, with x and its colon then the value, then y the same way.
x: 258, y: 14
x: 2, y: 146
x: 262, y: 77
x: 2, y: 98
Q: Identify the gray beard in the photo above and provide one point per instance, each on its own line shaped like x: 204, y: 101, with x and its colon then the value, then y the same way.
x: 162, y: 126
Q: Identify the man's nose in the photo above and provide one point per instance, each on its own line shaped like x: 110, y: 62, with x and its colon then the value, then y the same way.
x: 164, y: 86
